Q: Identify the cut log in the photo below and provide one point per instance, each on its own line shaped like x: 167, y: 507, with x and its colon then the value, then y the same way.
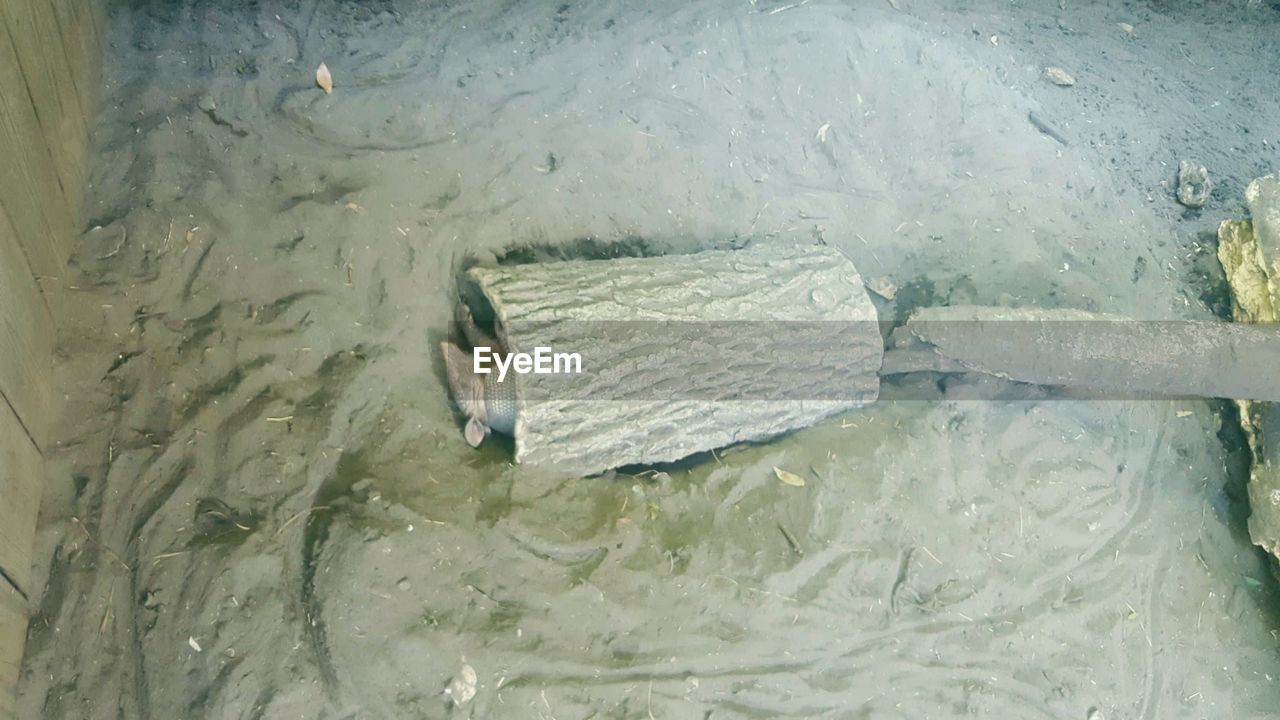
x: 680, y: 354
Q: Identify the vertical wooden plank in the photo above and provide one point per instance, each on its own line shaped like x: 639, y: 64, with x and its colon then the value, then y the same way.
x: 42, y: 60
x: 26, y: 338
x: 94, y: 13
x: 21, y: 477
x: 81, y: 42
x: 13, y: 635
x: 21, y: 480
x: 29, y: 189
x: 49, y: 89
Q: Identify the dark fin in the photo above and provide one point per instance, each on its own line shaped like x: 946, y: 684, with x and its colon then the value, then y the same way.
x: 471, y: 331
x: 467, y: 389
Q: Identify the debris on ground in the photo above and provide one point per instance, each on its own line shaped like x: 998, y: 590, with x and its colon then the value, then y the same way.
x: 789, y: 478
x: 1194, y: 185
x: 463, y: 685
x: 324, y: 79
x: 883, y: 286
x: 1059, y: 77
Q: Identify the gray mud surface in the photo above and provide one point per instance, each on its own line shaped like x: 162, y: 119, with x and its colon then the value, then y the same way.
x: 260, y: 504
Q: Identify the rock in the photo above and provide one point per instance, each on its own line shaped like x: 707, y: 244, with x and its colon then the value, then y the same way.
x: 463, y: 685
x: 206, y: 103
x: 883, y: 287
x: 1059, y: 77
x: 1261, y: 422
x: 1263, y: 198
x: 1194, y: 185
x: 1250, y: 254
x: 1238, y: 251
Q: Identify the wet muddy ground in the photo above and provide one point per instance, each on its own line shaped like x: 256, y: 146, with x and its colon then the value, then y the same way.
x: 260, y: 504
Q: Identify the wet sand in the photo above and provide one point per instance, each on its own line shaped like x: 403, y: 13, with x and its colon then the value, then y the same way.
x: 260, y: 503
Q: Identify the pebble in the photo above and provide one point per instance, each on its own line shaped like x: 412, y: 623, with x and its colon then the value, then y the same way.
x: 1194, y: 185
x: 883, y: 287
x: 463, y: 685
x: 1059, y: 77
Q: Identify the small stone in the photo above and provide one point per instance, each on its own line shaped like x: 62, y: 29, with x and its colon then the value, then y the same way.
x: 206, y: 103
x: 1059, y: 77
x: 403, y: 585
x: 463, y: 685
x: 883, y: 287
x: 1194, y: 185
x: 1126, y: 27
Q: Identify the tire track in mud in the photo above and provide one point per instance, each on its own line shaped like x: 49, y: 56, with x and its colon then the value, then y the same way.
x: 150, y: 507
x: 336, y: 371
x: 315, y: 535
x: 205, y: 423
x: 834, y: 581
x: 318, y: 394
x: 1137, y: 510
x: 850, y: 656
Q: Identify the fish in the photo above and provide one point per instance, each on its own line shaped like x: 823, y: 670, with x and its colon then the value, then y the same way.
x: 489, y: 404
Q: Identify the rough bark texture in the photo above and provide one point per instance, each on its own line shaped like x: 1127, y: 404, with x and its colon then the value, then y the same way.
x: 683, y: 354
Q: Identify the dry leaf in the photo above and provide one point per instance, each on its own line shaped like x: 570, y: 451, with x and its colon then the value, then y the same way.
x: 1184, y: 413
x: 324, y: 79
x: 194, y: 645
x: 822, y: 132
x: 789, y: 478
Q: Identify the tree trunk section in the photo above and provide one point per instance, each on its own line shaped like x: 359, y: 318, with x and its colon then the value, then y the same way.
x: 683, y: 354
